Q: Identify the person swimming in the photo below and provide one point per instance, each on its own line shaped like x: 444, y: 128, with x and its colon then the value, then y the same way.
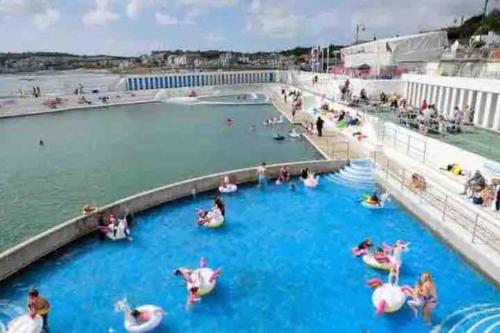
x: 278, y: 137
x: 374, y: 199
x: 304, y: 173
x: 365, y: 245
x: 229, y: 122
x: 140, y: 317
x: 41, y: 143
x: 284, y: 176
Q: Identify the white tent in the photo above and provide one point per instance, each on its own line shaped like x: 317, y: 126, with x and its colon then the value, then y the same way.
x: 391, y: 51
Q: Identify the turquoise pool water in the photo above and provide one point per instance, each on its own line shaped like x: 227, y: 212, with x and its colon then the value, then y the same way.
x: 101, y: 155
x: 287, y: 267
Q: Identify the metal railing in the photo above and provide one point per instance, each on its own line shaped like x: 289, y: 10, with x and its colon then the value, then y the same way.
x: 338, y: 153
x: 410, y: 145
x: 482, y: 228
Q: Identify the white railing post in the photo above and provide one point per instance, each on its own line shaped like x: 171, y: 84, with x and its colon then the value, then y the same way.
x: 475, y: 227
x: 444, y: 207
x: 408, y: 145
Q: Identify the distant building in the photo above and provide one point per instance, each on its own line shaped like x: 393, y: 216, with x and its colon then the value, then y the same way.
x: 384, y: 55
x: 226, y: 59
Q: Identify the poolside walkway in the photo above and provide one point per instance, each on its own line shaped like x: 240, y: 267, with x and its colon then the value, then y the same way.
x: 31, y: 106
x: 332, y: 144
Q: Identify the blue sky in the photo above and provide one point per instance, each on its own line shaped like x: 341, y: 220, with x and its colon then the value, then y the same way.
x: 133, y: 27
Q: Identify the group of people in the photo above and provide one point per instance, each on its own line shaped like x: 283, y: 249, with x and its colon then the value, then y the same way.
x: 423, y: 297
x: 427, y: 118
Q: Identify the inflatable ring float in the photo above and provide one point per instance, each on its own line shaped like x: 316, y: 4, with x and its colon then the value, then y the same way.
x: 200, y: 278
x: 25, y: 324
x: 155, y: 317
x: 370, y: 260
x: 388, y: 298
x: 229, y: 188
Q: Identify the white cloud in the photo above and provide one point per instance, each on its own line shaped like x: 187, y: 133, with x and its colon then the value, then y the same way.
x: 102, y: 14
x: 274, y: 21
x: 40, y: 11
x: 165, y: 19
x: 135, y: 8
x: 44, y: 20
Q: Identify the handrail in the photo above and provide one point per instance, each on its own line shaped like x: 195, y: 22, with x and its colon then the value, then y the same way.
x: 479, y: 225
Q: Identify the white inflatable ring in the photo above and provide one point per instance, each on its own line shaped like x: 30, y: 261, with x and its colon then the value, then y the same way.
x: 201, y: 279
x: 370, y: 260
x: 120, y: 230
x: 229, y: 188
x: 311, y: 182
x: 25, y: 324
x: 392, y: 295
x: 156, y: 314
x: 214, y: 220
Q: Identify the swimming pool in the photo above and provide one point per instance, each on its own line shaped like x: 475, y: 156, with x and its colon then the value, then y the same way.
x: 287, y: 267
x: 101, y: 155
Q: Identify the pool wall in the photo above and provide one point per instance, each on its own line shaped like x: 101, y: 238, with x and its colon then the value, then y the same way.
x: 45, y: 243
x: 476, y: 252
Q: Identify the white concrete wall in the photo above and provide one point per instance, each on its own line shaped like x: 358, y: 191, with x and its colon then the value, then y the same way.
x: 39, y: 246
x: 481, y: 94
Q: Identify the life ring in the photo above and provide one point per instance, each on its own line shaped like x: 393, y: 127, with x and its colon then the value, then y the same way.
x: 25, y: 324
x: 228, y: 188
x: 370, y: 260
x: 122, y: 230
x: 201, y: 279
x: 214, y: 220
x: 388, y: 298
x: 155, y: 318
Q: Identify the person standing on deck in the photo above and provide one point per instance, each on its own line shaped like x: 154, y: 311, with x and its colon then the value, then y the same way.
x: 319, y: 126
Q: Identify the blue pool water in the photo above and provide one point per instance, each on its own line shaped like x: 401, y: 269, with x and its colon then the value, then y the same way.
x: 287, y: 267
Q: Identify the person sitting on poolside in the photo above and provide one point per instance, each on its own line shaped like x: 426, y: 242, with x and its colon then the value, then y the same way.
x: 477, y: 182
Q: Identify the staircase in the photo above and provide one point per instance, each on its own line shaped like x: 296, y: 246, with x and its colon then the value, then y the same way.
x: 358, y: 174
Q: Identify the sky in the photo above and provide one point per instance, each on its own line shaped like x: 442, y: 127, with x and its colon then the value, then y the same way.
x: 134, y: 27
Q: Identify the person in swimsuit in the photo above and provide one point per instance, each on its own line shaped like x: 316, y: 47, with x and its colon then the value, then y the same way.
x: 261, y: 176
x: 38, y: 305
x: 365, y: 245
x: 140, y: 317
x: 284, y: 176
x: 429, y: 297
x: 416, y: 298
x: 218, y: 203
x: 304, y: 173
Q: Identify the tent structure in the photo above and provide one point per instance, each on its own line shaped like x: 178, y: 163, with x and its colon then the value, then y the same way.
x: 390, y: 52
